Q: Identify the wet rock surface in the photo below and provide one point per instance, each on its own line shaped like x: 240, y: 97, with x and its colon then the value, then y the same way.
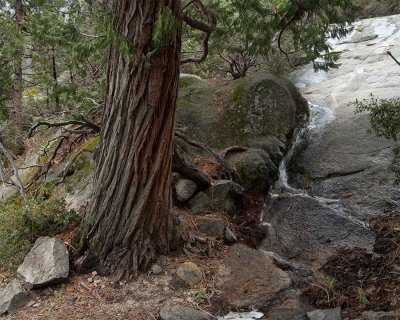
x: 346, y: 159
x: 307, y: 229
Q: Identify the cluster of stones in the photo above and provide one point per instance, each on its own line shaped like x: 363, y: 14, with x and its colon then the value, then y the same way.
x: 46, y: 264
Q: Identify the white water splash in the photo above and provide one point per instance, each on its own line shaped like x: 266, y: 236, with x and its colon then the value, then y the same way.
x: 320, y: 117
x: 242, y: 316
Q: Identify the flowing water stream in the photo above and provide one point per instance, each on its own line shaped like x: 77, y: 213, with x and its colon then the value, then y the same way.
x: 319, y: 118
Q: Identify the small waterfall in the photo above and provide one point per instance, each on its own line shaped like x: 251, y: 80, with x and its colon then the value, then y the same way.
x: 319, y: 118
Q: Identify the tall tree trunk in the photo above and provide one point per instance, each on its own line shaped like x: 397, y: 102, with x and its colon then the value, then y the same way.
x: 17, y: 90
x: 128, y: 220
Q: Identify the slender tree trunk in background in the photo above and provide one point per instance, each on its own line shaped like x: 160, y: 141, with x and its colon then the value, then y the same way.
x: 17, y: 90
x: 54, y: 66
x: 129, y: 218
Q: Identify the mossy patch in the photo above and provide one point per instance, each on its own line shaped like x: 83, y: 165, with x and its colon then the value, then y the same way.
x: 20, y: 225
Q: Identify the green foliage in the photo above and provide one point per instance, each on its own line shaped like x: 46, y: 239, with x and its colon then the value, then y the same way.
x: 330, y: 282
x: 362, y: 296
x: 255, y: 27
x: 384, y: 115
x: 200, y: 296
x: 165, y: 29
x: 20, y: 226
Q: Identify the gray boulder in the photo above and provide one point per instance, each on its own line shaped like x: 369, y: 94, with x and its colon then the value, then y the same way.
x: 255, y: 169
x: 249, y: 278
x: 47, y: 263
x: 327, y: 314
x: 211, y: 226
x: 225, y: 195
x: 183, y: 313
x: 260, y: 105
x: 263, y: 105
x: 185, y: 189
x: 13, y: 297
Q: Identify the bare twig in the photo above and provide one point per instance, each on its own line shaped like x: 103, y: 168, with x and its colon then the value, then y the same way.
x: 391, y: 55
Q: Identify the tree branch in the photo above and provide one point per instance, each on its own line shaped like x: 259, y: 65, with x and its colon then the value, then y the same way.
x: 207, y: 29
x: 83, y: 123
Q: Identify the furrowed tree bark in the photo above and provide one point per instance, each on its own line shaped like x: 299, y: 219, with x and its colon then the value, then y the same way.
x: 129, y: 218
x: 17, y: 90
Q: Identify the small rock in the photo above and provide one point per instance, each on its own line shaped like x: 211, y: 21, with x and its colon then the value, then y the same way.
x: 185, y: 189
x: 230, y: 237
x: 327, y: 314
x: 47, y: 263
x: 211, y: 226
x: 156, y: 269
x: 14, y: 296
x: 94, y: 273
x: 36, y: 305
x: 183, y: 313
x: 90, y: 280
x: 189, y: 273
x: 47, y: 292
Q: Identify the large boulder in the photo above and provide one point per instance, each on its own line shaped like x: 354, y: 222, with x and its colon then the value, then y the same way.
x: 47, y: 263
x: 14, y: 296
x: 225, y: 195
x: 255, y: 169
x: 249, y: 278
x: 262, y: 105
x: 235, y: 113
